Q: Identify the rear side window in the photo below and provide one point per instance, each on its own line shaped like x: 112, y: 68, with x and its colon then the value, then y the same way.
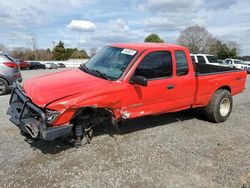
x: 10, y: 58
x: 181, y: 63
x: 201, y: 59
x: 193, y: 59
x: 3, y: 58
x: 155, y: 65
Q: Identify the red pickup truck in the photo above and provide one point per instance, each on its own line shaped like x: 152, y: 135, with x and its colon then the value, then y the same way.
x: 122, y: 81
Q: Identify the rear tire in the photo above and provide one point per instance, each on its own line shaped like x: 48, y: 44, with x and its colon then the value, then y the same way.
x: 220, y: 106
x: 3, y: 86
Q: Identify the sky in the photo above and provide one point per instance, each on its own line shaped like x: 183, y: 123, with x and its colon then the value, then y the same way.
x: 88, y: 24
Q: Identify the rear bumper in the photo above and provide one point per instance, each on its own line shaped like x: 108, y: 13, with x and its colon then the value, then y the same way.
x: 31, y: 119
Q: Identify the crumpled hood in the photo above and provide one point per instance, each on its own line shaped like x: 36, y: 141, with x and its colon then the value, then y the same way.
x: 52, y: 87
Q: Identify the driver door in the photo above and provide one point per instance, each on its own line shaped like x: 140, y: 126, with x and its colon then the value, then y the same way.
x: 158, y: 95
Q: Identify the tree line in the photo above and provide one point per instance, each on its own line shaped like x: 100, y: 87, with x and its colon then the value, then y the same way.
x: 196, y: 38
x: 59, y: 52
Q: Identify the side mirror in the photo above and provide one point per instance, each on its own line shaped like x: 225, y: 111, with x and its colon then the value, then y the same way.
x: 140, y: 80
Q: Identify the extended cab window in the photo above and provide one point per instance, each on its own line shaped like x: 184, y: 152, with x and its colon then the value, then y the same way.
x: 201, y: 59
x: 155, y: 65
x: 193, y: 59
x: 181, y: 63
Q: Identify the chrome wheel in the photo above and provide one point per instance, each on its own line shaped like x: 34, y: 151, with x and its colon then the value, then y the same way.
x: 225, y: 106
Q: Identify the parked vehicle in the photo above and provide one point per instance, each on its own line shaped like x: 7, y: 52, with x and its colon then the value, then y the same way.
x: 248, y: 64
x: 61, y: 65
x: 37, y: 65
x: 205, y: 59
x: 239, y: 64
x: 9, y: 72
x: 221, y: 62
x: 122, y: 81
x: 23, y: 64
x: 50, y: 66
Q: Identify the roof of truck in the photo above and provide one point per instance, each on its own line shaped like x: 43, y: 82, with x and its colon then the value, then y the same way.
x: 148, y: 45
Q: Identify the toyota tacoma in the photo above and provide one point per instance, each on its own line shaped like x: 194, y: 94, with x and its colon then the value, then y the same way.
x: 122, y: 81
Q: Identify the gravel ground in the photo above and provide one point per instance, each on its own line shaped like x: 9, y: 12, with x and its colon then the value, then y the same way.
x: 171, y: 150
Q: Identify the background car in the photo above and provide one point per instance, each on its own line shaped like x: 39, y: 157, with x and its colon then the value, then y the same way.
x: 37, y: 65
x: 50, y: 65
x: 239, y: 64
x: 61, y: 65
x: 204, y: 59
x: 9, y: 72
x: 23, y: 64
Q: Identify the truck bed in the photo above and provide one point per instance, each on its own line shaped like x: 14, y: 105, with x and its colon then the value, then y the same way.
x: 210, y: 78
x: 205, y: 69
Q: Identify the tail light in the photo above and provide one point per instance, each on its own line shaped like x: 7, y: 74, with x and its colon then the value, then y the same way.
x: 10, y: 64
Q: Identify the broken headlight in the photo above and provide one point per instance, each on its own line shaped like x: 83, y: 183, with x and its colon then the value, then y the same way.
x: 51, y: 115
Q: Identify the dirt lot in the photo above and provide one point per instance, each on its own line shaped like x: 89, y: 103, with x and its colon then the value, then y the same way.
x: 172, y: 150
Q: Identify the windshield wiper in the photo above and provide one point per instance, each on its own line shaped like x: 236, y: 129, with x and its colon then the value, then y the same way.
x: 92, y: 71
x: 84, y: 68
x: 101, y: 74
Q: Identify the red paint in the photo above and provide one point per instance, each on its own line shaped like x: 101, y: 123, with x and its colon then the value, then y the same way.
x: 70, y: 90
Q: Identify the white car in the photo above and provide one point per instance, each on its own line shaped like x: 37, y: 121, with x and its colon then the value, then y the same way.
x: 50, y: 66
x: 248, y: 69
x: 204, y: 59
x: 239, y: 64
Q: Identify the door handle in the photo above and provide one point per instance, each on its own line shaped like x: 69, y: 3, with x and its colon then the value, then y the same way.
x: 170, y: 86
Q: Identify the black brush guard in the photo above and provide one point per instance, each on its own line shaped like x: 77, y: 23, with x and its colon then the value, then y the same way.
x: 31, y: 119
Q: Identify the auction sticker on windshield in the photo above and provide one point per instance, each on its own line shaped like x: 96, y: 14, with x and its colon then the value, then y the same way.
x: 128, y: 51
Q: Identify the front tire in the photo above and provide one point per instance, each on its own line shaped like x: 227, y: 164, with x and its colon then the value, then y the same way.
x: 3, y: 86
x: 220, y: 106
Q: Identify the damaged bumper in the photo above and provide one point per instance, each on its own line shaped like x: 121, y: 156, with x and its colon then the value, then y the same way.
x: 31, y: 119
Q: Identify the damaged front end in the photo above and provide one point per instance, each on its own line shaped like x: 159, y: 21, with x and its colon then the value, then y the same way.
x: 31, y: 119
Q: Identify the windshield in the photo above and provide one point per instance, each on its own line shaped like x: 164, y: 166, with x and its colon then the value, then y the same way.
x: 212, y: 59
x: 109, y: 62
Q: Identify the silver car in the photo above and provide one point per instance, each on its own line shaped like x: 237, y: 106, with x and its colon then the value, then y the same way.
x: 9, y: 72
x: 50, y: 66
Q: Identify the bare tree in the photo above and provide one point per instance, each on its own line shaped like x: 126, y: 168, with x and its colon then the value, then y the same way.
x: 197, y: 39
x: 33, y: 42
x: 232, y: 45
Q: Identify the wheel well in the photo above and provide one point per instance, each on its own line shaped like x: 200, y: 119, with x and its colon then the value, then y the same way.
x: 226, y: 88
x: 96, y: 114
x: 5, y: 80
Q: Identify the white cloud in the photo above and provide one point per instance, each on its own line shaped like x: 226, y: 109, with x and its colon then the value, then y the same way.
x: 119, y: 25
x: 157, y: 6
x: 82, y: 25
x: 18, y: 36
x: 120, y: 21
